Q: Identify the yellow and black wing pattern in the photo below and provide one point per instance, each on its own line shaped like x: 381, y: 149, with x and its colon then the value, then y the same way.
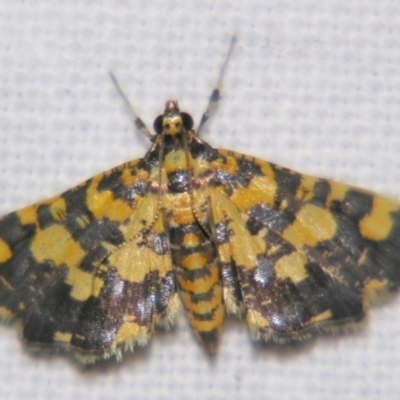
x: 90, y: 269
x: 300, y: 254
x: 97, y: 269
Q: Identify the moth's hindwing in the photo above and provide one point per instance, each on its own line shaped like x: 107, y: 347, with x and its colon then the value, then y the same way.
x: 90, y: 269
x: 300, y: 254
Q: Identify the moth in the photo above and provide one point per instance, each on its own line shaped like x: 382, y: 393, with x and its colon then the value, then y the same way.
x: 97, y: 269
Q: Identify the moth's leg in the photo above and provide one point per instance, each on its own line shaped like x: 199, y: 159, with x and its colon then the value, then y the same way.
x: 216, y: 93
x: 135, y: 117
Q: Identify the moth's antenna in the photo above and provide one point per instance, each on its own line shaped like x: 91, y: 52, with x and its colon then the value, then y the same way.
x: 136, y: 119
x: 216, y: 93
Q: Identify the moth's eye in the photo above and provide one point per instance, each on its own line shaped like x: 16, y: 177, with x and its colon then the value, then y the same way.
x: 187, y: 121
x: 158, y: 124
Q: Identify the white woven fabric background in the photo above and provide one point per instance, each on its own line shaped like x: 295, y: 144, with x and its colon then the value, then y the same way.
x: 313, y: 85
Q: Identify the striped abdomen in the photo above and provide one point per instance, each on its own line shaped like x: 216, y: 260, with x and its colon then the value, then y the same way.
x: 195, y: 262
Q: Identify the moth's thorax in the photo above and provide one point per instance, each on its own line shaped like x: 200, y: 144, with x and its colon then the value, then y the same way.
x: 176, y: 166
x: 177, y: 159
x: 185, y: 162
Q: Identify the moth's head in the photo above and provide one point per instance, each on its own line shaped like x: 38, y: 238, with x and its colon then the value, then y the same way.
x: 172, y: 122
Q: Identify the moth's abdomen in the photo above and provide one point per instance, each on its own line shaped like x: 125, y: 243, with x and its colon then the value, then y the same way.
x: 195, y: 263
